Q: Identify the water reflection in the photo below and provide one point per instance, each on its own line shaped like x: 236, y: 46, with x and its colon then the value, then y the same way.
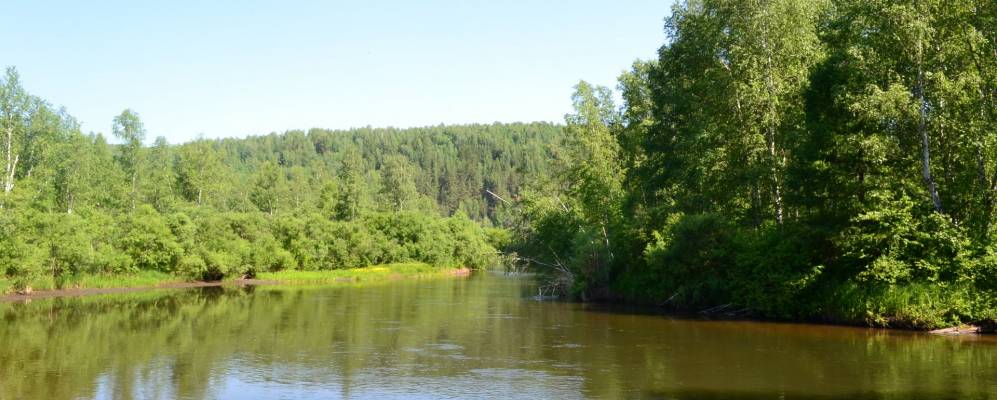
x: 482, y: 337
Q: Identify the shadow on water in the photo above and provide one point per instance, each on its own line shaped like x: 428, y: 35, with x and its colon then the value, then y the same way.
x: 819, y: 328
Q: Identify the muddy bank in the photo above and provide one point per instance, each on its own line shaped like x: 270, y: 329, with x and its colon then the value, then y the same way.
x: 987, y: 327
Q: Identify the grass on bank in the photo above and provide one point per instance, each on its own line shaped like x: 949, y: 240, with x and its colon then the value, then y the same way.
x: 358, y: 275
x: 151, y: 279
x: 98, y: 281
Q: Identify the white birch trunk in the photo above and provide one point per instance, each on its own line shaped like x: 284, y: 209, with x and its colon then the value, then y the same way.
x: 922, y: 127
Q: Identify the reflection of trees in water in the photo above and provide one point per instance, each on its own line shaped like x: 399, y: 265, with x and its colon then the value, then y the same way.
x: 66, y: 348
x: 185, y: 344
x: 680, y: 359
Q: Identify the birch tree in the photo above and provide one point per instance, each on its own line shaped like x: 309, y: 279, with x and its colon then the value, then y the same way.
x: 729, y: 102
x: 86, y: 175
x: 595, y: 171
x: 198, y: 170
x: 353, y: 188
x: 923, y: 75
x: 15, y: 116
x: 398, y: 183
x: 159, y: 187
x: 768, y: 47
x: 269, y: 188
x: 129, y: 128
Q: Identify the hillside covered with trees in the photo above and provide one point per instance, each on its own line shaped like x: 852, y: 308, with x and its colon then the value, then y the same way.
x: 828, y: 160
x: 74, y: 204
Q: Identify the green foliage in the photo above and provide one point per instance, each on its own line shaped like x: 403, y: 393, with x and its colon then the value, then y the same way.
x: 384, y: 238
x: 18, y: 259
x: 398, y: 184
x: 129, y: 128
x: 148, y: 241
x: 74, y: 206
x: 269, y: 188
x: 693, y: 259
x: 160, y: 185
x: 811, y: 159
x: 572, y: 221
x: 353, y: 197
x: 893, y: 244
x: 198, y: 170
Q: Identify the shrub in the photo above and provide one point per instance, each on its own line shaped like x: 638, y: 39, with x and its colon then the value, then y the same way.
x: 149, y: 241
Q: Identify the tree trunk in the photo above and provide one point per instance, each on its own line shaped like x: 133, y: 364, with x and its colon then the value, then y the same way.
x: 987, y: 185
x: 770, y: 132
x: 8, y: 177
x: 929, y: 180
x: 605, y: 238
x: 134, y: 189
x: 9, y: 184
x: 981, y: 176
x: 776, y: 184
x: 922, y: 127
x: 756, y: 205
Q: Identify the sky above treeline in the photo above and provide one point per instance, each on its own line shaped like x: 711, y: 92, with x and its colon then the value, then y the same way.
x: 237, y: 68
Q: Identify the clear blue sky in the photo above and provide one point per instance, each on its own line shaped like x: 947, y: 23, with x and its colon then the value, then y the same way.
x: 236, y: 68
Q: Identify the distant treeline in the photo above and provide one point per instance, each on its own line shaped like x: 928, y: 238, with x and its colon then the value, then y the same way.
x: 72, y: 203
x: 468, y: 168
x: 805, y: 159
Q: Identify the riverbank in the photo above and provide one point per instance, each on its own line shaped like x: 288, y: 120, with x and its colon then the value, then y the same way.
x: 48, y: 284
x: 111, y: 284
x: 733, y: 314
x: 362, y: 275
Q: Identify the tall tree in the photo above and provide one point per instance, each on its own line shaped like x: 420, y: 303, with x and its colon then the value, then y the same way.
x: 198, y: 169
x: 982, y: 46
x: 353, y: 188
x: 911, y: 66
x: 159, y: 185
x: 15, y: 116
x: 128, y: 128
x: 729, y: 98
x: 73, y: 170
x: 637, y: 119
x: 398, y: 183
x: 588, y: 190
x: 269, y: 188
x: 594, y: 174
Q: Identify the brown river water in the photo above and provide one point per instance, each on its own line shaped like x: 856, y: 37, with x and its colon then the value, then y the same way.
x: 480, y: 337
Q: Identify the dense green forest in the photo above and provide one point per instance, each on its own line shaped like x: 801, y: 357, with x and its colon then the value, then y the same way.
x: 828, y: 160
x: 73, y: 203
x: 809, y: 159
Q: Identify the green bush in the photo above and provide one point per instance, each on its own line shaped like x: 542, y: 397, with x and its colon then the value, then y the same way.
x: 692, y: 260
x: 149, y: 241
x: 201, y: 243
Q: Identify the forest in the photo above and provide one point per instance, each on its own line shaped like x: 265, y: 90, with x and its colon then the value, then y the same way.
x: 76, y: 204
x: 822, y: 160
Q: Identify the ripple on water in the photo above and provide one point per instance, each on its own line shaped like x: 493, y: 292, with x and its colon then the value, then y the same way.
x: 501, y: 316
x: 446, y: 347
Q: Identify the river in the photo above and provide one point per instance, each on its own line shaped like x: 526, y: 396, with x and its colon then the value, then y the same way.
x: 480, y: 337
